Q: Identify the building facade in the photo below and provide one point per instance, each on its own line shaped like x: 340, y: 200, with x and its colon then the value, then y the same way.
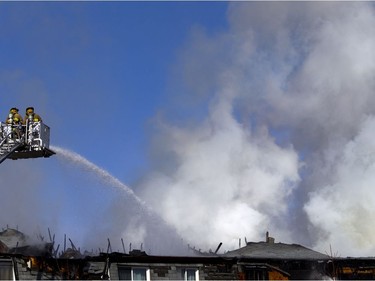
x: 255, y: 261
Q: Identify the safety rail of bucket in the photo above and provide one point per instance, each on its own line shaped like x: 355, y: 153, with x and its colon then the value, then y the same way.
x: 24, y: 141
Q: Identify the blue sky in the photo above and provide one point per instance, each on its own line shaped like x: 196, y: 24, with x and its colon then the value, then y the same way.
x: 228, y: 119
x: 98, y: 74
x: 99, y: 71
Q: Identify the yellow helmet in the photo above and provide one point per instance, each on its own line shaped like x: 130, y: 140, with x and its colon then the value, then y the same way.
x: 29, y: 110
x: 14, y: 110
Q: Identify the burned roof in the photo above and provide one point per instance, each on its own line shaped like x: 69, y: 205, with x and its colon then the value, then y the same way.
x: 12, y: 237
x: 15, y: 242
x: 264, y: 250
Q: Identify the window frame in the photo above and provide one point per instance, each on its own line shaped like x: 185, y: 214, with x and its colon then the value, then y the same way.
x: 8, y: 263
x: 185, y: 273
x: 132, y: 268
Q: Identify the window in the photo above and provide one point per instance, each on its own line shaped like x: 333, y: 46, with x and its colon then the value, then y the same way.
x: 190, y: 274
x: 256, y: 274
x: 6, y: 270
x: 133, y: 273
x: 139, y: 274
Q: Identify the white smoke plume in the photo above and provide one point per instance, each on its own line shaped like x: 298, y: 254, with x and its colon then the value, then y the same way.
x: 219, y: 167
x: 344, y: 207
x: 285, y: 134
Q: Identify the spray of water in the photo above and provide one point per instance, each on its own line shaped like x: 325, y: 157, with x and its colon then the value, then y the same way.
x: 153, y: 229
x: 104, y: 175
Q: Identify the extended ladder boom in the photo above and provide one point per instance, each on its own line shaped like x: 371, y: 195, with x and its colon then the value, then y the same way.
x: 6, y: 149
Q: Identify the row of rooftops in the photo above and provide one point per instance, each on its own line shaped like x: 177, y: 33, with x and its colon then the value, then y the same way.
x: 291, y: 261
x: 14, y: 241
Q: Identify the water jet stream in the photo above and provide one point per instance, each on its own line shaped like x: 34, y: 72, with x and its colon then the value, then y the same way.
x: 104, y: 175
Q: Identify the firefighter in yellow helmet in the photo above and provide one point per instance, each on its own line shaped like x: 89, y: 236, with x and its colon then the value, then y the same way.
x: 14, y: 122
x: 31, y: 115
x: 33, y: 124
x: 14, y: 118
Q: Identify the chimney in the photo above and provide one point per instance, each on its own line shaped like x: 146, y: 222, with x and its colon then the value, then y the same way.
x: 269, y: 239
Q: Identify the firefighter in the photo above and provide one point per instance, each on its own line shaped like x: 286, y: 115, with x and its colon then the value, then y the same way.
x: 32, y: 122
x: 31, y: 115
x: 14, y: 124
x: 14, y: 118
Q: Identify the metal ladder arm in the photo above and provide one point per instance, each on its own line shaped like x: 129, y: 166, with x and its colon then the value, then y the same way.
x: 8, y: 152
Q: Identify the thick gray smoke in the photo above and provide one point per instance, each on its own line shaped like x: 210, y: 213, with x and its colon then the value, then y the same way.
x: 287, y: 140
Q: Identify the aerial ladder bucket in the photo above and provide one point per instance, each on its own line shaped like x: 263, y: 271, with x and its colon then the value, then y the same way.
x: 24, y: 141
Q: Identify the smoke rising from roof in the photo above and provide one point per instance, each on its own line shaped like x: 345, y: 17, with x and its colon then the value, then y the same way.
x: 287, y: 138
x: 217, y: 165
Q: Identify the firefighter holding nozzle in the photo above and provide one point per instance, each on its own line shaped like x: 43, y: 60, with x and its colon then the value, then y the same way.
x: 13, y: 128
